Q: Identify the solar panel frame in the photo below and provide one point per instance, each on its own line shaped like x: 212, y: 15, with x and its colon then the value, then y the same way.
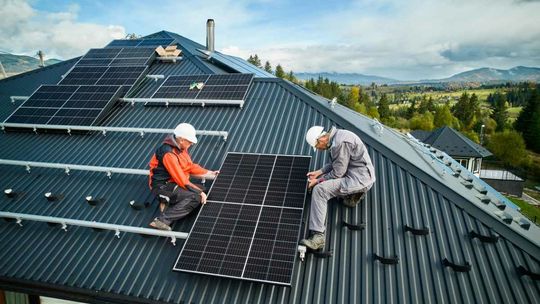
x: 229, y: 87
x: 275, y: 253
x: 76, y: 105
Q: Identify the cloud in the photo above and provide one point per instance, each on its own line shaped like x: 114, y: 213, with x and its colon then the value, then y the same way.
x: 24, y: 30
x: 406, y: 39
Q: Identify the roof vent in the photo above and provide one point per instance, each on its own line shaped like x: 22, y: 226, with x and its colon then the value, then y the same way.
x: 210, y: 35
x: 10, y: 193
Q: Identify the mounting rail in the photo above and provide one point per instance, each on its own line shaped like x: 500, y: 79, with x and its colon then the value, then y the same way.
x: 105, y: 129
x: 65, y: 222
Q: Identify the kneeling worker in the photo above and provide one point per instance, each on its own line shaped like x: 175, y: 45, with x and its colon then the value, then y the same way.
x: 350, y: 175
x: 170, y: 169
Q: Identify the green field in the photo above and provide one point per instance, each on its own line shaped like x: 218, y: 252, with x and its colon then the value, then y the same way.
x: 530, y: 211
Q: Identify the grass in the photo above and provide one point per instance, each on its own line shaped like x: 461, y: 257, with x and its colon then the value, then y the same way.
x: 530, y: 211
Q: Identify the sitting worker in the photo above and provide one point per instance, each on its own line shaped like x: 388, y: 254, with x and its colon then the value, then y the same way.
x: 349, y: 176
x: 170, y: 170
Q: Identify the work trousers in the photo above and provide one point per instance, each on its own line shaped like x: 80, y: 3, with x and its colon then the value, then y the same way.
x: 320, y: 194
x: 179, y: 202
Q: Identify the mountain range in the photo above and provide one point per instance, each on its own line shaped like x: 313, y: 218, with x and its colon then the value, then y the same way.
x: 16, y: 64
x: 482, y: 75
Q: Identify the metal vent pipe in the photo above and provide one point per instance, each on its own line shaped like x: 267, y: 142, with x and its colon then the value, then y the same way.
x: 210, y: 35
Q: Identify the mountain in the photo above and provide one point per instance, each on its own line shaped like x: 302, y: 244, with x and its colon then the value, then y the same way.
x: 347, y: 78
x: 489, y: 75
x: 16, y: 64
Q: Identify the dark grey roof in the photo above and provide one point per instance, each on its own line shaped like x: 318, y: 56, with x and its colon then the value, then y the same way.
x: 414, y: 187
x: 452, y: 142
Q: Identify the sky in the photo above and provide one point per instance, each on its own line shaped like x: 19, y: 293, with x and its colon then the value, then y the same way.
x: 405, y: 40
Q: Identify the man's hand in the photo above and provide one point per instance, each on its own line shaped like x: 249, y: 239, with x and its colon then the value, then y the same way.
x: 214, y: 173
x: 312, y: 182
x: 203, y: 198
x: 314, y: 174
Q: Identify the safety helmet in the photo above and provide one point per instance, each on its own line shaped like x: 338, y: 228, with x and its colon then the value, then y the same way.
x: 313, y: 134
x: 186, y: 131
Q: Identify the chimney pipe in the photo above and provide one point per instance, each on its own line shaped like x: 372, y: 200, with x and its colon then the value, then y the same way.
x: 210, y: 35
x: 41, y: 61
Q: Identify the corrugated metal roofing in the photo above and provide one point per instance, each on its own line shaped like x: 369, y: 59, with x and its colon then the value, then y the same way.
x: 411, y: 189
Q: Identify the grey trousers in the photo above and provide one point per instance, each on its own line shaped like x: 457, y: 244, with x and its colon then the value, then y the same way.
x: 179, y: 202
x: 320, y: 194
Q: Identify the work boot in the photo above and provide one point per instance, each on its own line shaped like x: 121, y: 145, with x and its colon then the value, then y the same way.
x: 353, y: 199
x: 315, y: 241
x: 157, y: 224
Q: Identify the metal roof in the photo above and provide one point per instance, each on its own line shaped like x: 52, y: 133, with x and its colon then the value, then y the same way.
x: 452, y: 142
x: 415, y: 187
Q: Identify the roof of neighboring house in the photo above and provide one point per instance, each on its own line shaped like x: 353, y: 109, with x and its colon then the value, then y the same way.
x: 416, y: 187
x: 452, y: 142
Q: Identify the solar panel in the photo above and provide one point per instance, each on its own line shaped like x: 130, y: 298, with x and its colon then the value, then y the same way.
x: 84, y: 75
x: 102, y: 53
x: 65, y: 105
x: 250, y: 226
x: 121, y: 75
x: 140, y: 42
x: 216, y: 87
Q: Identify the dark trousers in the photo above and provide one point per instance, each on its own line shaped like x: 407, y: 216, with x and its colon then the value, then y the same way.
x: 179, y: 202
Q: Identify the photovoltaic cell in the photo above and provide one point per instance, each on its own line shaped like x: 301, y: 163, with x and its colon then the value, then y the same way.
x: 65, y: 105
x: 216, y: 87
x: 140, y: 42
x: 84, y: 75
x: 121, y: 75
x: 249, y: 227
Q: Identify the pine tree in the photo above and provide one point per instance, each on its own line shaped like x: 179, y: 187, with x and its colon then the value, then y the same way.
x: 499, y: 109
x: 279, y: 71
x: 528, y: 121
x: 443, y: 117
x: 268, y: 67
x: 384, y: 108
x: 255, y: 60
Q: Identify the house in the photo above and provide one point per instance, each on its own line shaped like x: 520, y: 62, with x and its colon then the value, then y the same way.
x: 432, y: 233
x: 468, y: 153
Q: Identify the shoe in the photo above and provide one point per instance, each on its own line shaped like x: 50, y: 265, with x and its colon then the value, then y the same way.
x: 157, y: 224
x: 315, y: 241
x: 352, y: 200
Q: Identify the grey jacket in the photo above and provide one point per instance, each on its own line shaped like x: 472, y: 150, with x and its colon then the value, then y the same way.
x: 350, y: 161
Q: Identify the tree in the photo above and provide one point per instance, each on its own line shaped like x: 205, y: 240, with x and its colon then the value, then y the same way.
x: 268, y: 67
x: 290, y: 76
x: 528, y: 121
x: 443, y: 117
x: 421, y: 122
x: 509, y: 147
x: 373, y: 112
x: 384, y: 108
x: 255, y: 60
x: 353, y: 97
x: 499, y: 109
x: 279, y: 71
x: 466, y: 110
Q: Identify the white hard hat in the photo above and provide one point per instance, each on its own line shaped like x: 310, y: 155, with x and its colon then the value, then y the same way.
x: 186, y: 131
x: 313, y: 134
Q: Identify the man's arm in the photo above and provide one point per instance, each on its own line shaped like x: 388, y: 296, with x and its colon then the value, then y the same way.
x: 170, y: 161
x: 340, y: 163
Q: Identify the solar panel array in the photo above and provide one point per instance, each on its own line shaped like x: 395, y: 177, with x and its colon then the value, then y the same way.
x: 250, y: 226
x: 118, y: 57
x: 140, y: 42
x: 103, y: 75
x: 216, y: 87
x: 65, y: 105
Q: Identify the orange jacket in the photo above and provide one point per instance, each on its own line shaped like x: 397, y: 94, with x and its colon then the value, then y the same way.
x: 171, y: 164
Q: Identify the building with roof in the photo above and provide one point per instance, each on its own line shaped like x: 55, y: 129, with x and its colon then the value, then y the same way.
x: 431, y: 232
x: 465, y: 151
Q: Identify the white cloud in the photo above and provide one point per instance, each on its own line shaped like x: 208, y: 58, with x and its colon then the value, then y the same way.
x: 24, y: 30
x: 406, y: 39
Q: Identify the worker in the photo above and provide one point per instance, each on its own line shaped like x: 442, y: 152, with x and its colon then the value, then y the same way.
x: 170, y: 170
x: 349, y: 176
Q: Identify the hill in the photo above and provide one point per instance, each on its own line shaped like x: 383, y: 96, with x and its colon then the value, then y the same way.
x: 16, y: 64
x: 487, y: 75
